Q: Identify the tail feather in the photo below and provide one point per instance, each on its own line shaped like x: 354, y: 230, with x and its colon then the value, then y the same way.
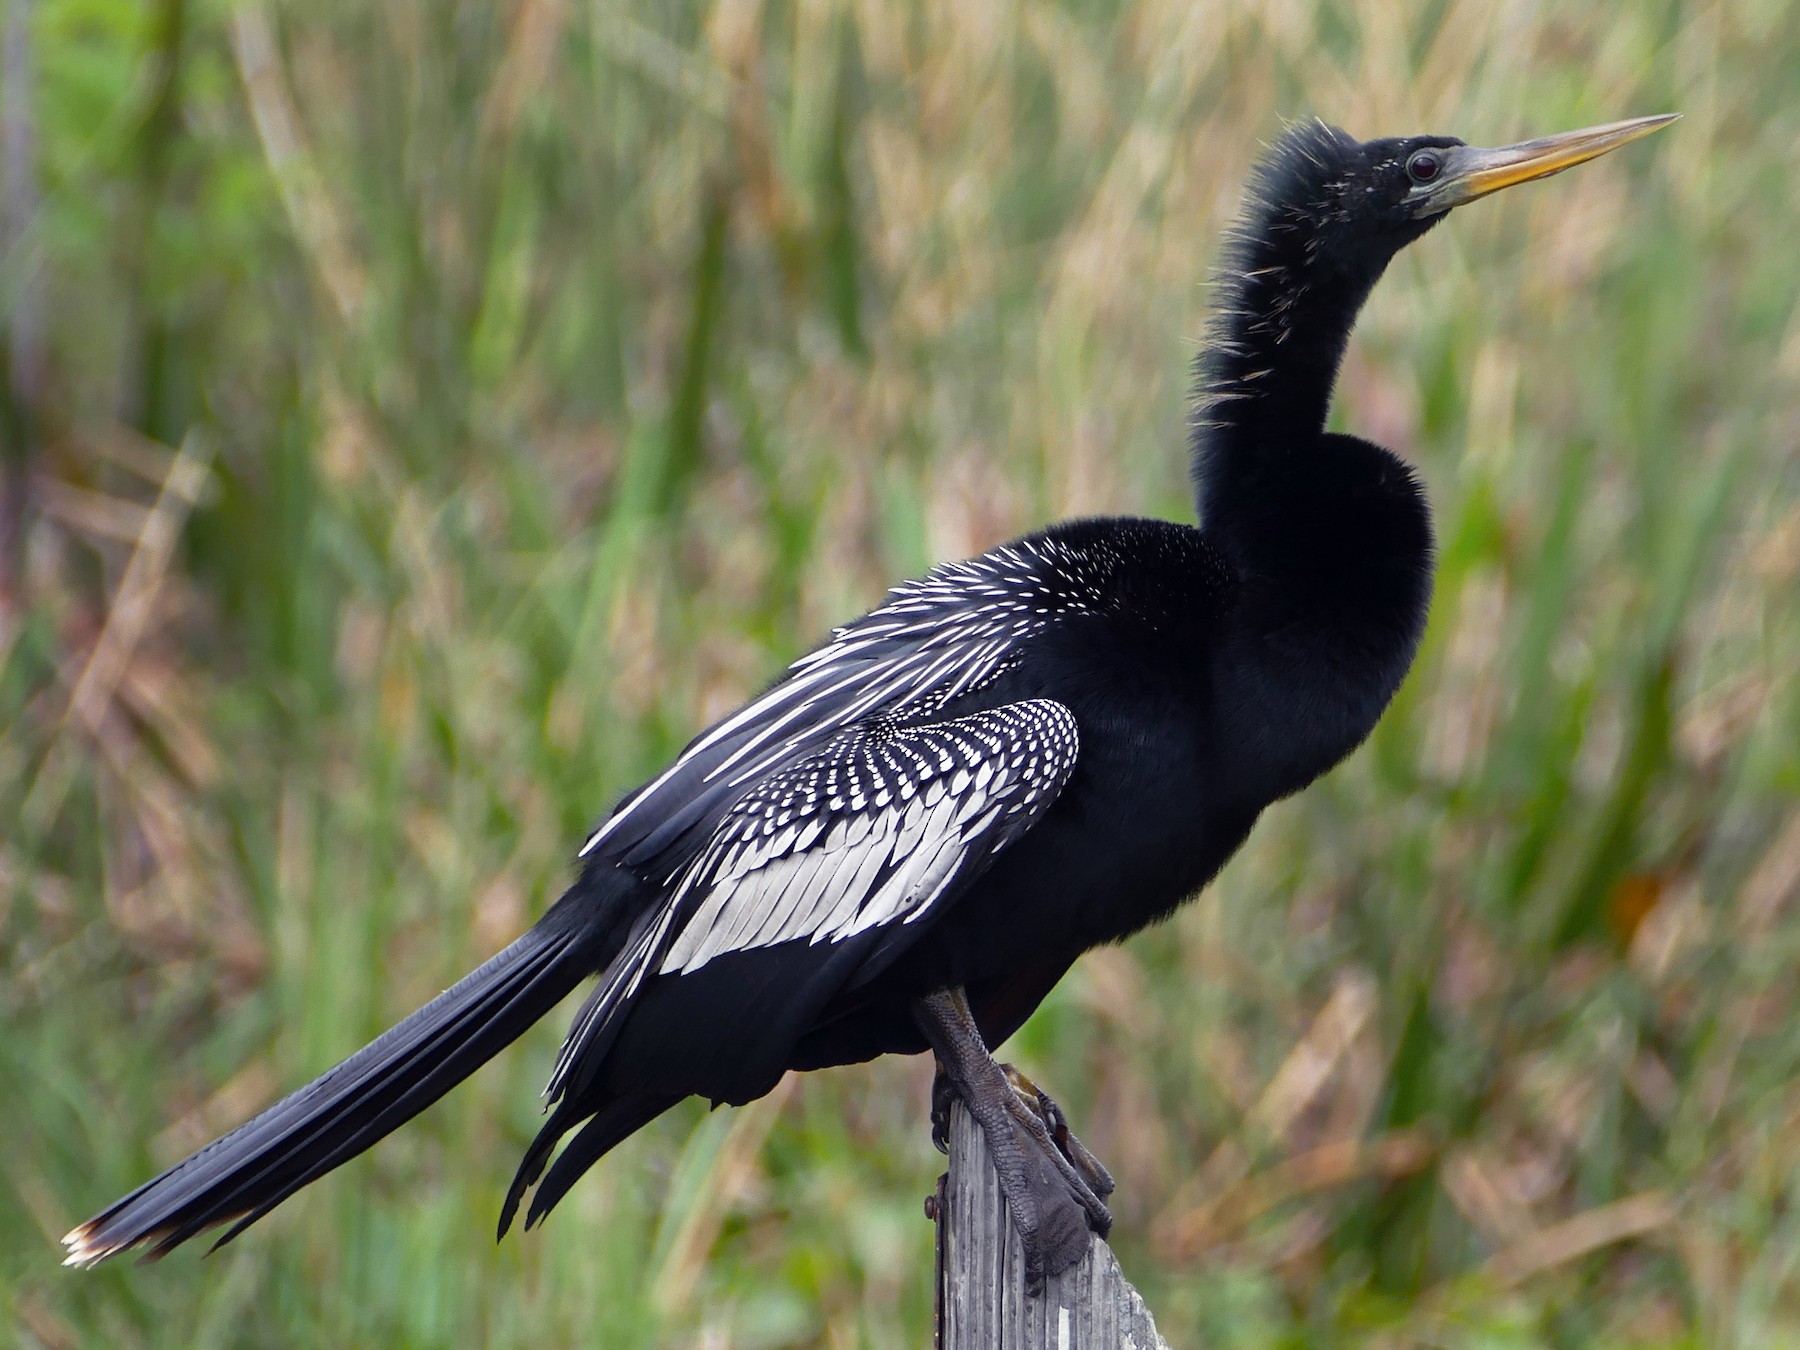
x: 620, y: 1118
x: 487, y: 1038
x: 246, y: 1173
x: 596, y: 1139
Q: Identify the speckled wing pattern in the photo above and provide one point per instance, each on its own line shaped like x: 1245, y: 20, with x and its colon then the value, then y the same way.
x: 871, y: 829
x: 868, y: 832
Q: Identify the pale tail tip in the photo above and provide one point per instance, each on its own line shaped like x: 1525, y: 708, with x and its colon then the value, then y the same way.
x: 83, y: 1250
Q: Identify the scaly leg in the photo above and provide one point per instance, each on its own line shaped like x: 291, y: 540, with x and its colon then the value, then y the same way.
x: 1053, y: 1202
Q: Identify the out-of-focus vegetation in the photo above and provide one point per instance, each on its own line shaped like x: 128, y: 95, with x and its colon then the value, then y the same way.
x: 421, y: 417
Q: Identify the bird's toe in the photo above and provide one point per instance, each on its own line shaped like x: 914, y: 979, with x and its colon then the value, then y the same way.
x: 1061, y: 1241
x: 1092, y: 1172
x: 1054, y: 1208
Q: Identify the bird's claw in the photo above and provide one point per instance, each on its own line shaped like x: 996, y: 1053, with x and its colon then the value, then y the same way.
x: 943, y: 1093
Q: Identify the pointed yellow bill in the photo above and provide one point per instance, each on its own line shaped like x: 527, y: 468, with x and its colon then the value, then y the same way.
x: 1471, y: 172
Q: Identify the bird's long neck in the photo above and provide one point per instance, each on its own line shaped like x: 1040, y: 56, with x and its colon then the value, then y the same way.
x: 1294, y: 275
x: 1329, y: 533
x: 1327, y: 536
x: 1264, y: 377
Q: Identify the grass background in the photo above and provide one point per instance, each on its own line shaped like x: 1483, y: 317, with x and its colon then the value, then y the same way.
x: 421, y: 417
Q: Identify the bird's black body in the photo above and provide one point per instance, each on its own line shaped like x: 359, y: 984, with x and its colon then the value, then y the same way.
x: 1012, y: 760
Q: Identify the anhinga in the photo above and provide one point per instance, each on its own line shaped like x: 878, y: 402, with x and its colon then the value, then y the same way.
x: 905, y: 842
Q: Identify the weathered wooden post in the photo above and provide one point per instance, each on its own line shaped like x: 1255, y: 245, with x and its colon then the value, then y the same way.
x: 981, y: 1299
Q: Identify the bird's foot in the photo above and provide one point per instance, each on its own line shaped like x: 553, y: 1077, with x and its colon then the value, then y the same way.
x: 1054, y: 1207
x: 1055, y: 1189
x: 1056, y: 1126
x: 1041, y: 1104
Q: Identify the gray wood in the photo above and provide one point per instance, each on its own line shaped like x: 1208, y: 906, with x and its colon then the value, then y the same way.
x: 982, y: 1304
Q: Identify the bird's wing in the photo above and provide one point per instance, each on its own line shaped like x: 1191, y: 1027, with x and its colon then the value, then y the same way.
x: 870, y: 830
x: 876, y: 829
x: 932, y: 640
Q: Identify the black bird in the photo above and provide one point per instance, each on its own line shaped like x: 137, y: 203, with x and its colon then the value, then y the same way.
x: 906, y: 841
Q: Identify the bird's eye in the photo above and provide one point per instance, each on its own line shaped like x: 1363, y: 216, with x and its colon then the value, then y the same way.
x: 1424, y: 166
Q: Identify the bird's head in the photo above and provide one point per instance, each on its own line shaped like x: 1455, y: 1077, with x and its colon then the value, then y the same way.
x: 1351, y: 205
x: 1324, y: 215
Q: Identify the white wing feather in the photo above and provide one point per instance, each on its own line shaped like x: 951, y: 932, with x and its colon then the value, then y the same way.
x: 875, y: 847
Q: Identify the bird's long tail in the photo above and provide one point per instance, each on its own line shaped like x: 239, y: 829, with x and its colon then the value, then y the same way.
x: 246, y: 1173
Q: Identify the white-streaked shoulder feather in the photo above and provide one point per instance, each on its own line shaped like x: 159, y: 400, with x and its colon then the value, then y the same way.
x: 932, y: 640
